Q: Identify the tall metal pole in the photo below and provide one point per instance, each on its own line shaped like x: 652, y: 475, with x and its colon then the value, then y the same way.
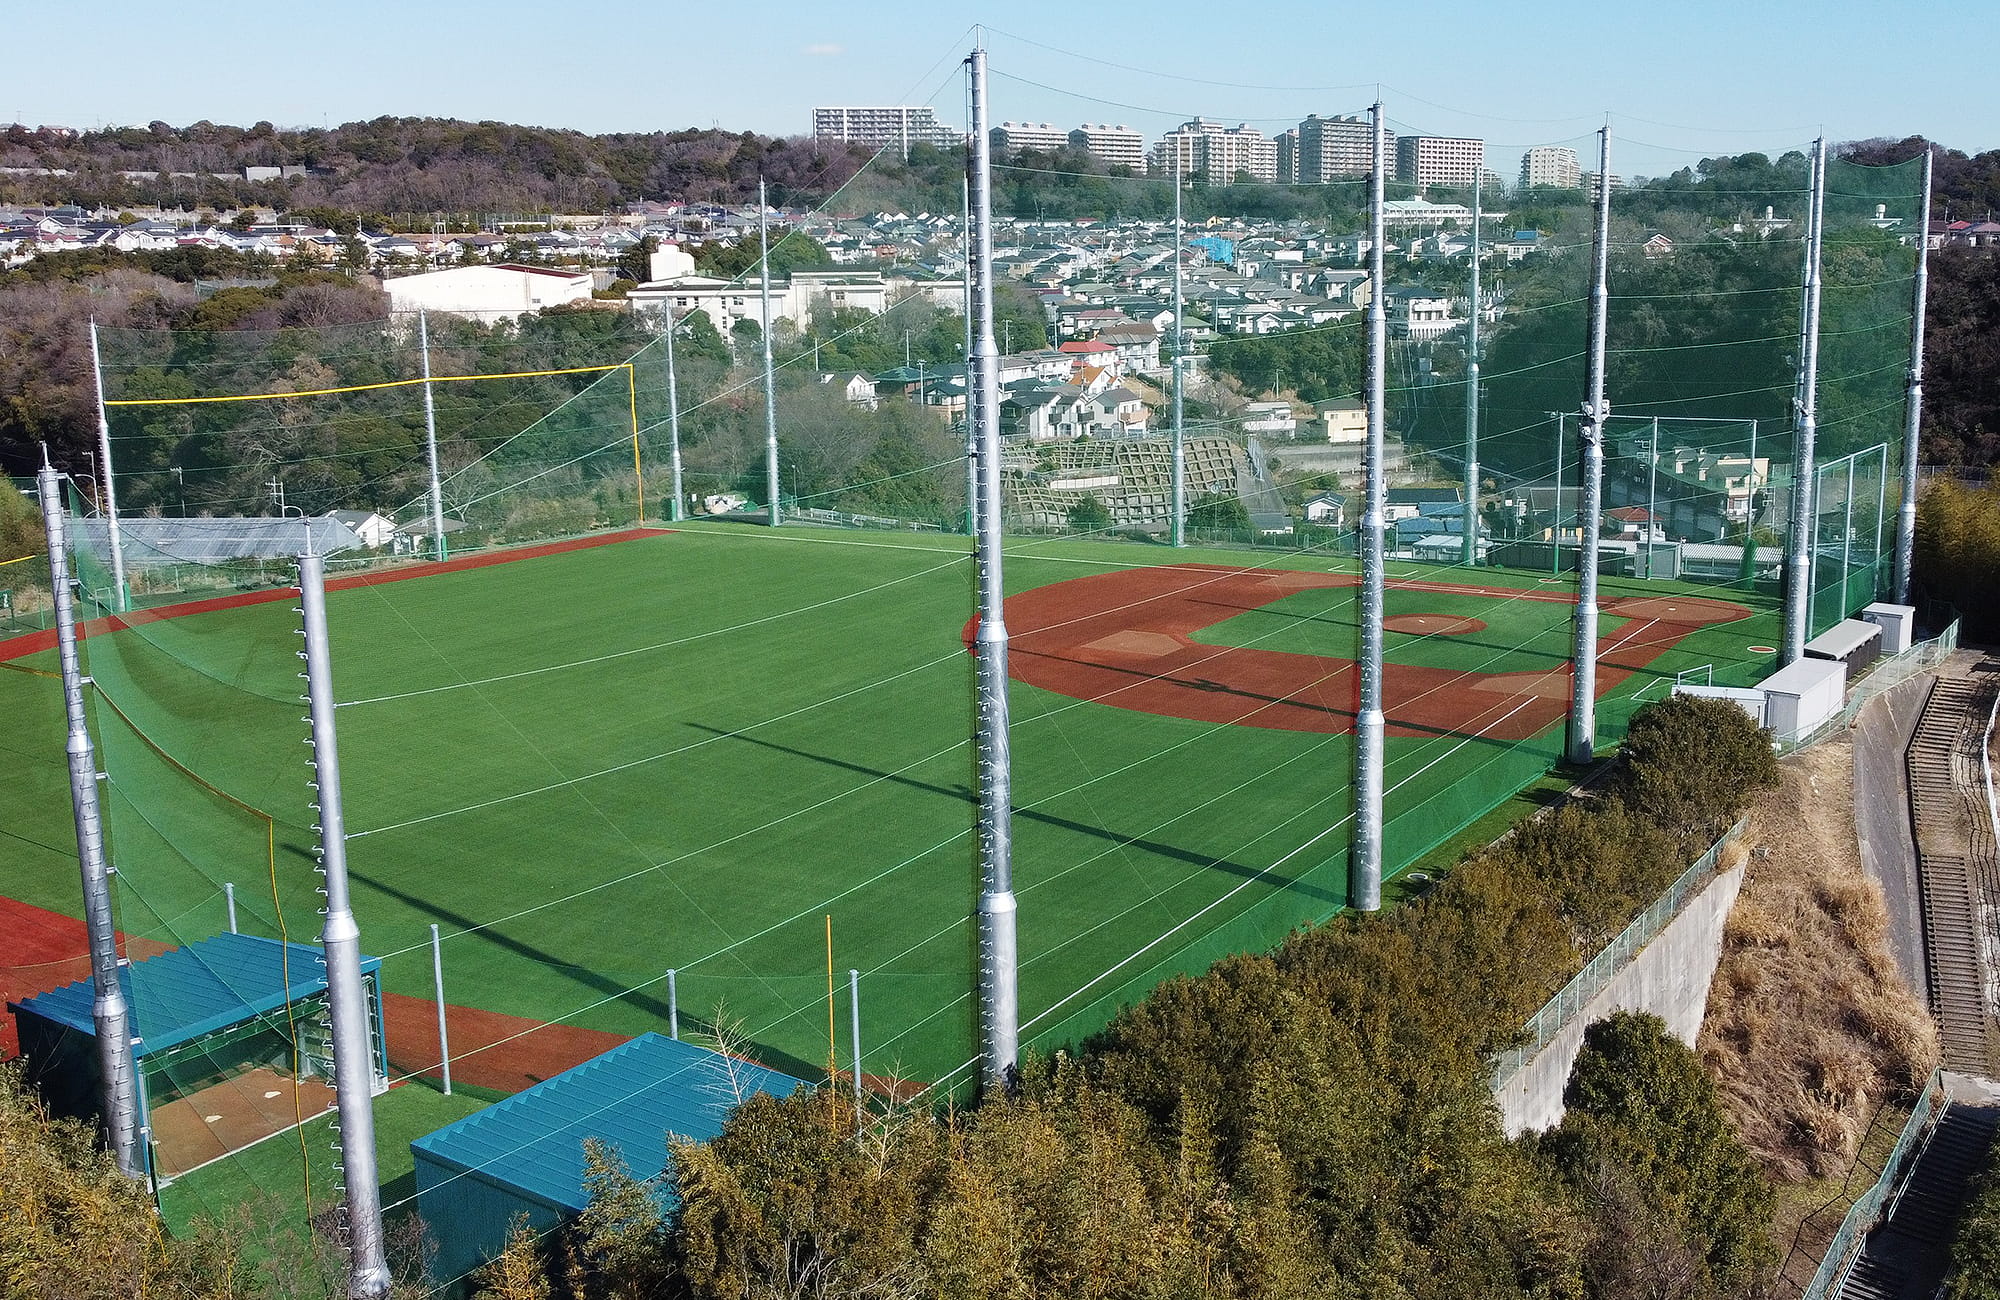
x: 1800, y: 541
x: 1652, y: 493
x: 1590, y: 444
x: 854, y: 1026
x: 1847, y: 539
x: 124, y: 1118
x: 1364, y: 873
x: 971, y: 438
x: 673, y: 1004
x: 353, y: 1054
x: 1913, y: 400
x: 1177, y: 533
x: 770, y: 380
x: 437, y: 982
x: 1881, y: 505
x: 108, y: 483
x: 1471, y: 521
x: 431, y: 439
x: 679, y: 510
x: 999, y: 988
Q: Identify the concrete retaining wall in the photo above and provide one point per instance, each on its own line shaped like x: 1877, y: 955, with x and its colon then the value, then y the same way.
x: 1668, y: 978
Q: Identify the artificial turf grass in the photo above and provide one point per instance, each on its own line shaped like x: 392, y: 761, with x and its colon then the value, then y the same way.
x: 1127, y: 825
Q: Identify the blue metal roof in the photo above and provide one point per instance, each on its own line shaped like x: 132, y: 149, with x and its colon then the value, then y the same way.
x: 630, y: 1098
x: 184, y: 993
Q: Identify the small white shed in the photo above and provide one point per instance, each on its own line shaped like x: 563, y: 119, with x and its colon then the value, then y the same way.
x: 1898, y: 624
x: 1802, y: 695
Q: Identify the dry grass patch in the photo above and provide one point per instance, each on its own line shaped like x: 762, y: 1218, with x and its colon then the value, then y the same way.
x: 1810, y: 1028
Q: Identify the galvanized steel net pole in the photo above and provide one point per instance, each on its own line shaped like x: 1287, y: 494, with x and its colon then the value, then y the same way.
x: 854, y: 1027
x: 108, y: 488
x: 1364, y: 874
x: 1913, y: 400
x: 1471, y: 520
x: 1582, y: 745
x: 1847, y: 540
x: 770, y: 379
x: 678, y: 511
x: 124, y: 1119
x: 999, y: 992
x: 1178, y: 498
x: 971, y: 436
x: 1652, y: 492
x: 431, y: 439
x: 347, y: 1005
x: 444, y: 1037
x: 1800, y: 541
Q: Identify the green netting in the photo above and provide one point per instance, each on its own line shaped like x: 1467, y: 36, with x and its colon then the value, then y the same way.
x: 687, y: 753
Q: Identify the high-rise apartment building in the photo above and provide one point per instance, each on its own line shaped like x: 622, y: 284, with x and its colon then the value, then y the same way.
x: 1219, y: 153
x: 1550, y: 165
x: 1012, y: 137
x: 896, y: 127
x: 1439, y: 160
x: 1288, y: 157
x: 1114, y: 146
x: 1339, y: 148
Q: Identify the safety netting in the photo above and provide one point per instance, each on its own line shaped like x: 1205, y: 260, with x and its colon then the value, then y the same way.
x: 688, y: 782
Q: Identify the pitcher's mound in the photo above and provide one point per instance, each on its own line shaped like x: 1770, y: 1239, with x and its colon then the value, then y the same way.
x: 1433, y: 624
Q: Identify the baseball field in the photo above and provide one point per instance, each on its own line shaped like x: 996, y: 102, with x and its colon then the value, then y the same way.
x: 689, y: 749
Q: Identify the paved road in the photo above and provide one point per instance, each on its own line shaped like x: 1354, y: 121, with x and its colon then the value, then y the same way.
x: 1882, y: 817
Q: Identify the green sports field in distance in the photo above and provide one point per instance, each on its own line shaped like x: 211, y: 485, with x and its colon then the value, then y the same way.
x: 689, y: 749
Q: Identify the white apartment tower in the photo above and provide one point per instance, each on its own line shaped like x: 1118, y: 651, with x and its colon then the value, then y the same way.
x: 1439, y: 160
x: 895, y: 127
x: 1551, y: 165
x: 1114, y: 146
x: 1210, y: 149
x: 1338, y: 148
x: 1012, y: 137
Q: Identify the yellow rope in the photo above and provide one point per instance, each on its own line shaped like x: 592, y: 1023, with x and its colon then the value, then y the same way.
x: 25, y: 558
x: 32, y: 672
x: 361, y: 388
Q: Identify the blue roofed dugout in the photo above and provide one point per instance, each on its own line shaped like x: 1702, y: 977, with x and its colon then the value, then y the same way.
x: 524, y: 1155
x: 202, y: 1015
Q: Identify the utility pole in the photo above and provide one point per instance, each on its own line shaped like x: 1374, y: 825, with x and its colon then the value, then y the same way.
x: 770, y: 379
x: 1178, y: 532
x: 431, y: 439
x: 1471, y: 551
x: 1913, y: 400
x: 999, y: 979
x: 1364, y: 877
x: 1590, y: 441
x: 347, y: 999
x: 124, y: 1120
x: 679, y: 511
x: 1800, y: 542
x: 107, y: 485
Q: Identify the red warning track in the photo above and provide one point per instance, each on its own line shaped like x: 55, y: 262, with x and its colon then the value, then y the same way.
x: 1126, y: 639
x: 36, y: 642
x: 46, y: 950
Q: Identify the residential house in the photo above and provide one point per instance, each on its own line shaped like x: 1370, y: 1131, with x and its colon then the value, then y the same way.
x: 1345, y: 422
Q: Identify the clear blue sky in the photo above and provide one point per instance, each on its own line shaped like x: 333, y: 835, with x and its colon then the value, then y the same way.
x: 1680, y: 80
